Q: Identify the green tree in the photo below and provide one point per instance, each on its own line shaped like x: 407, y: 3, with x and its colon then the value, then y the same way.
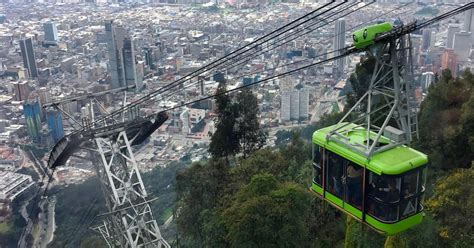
x: 93, y: 242
x: 452, y: 204
x: 267, y: 213
x: 225, y: 140
x: 251, y: 136
x: 76, y: 211
x: 446, y: 122
x: 359, y: 235
x: 395, y: 241
x: 198, y: 189
x: 422, y: 235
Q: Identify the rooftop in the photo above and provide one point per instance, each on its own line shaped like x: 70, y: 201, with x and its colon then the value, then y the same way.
x: 391, y: 162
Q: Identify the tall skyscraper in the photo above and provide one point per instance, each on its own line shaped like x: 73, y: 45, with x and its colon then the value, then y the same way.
x: 55, y: 124
x: 122, y: 61
x: 303, y: 103
x: 50, y: 33
x: 285, y: 108
x: 295, y: 105
x: 462, y: 45
x: 129, y: 62
x: 426, y: 39
x: 149, y: 60
x: 115, y: 62
x: 469, y: 21
x: 433, y: 38
x: 32, y: 112
x: 452, y: 30
x: 339, y: 43
x: 29, y: 59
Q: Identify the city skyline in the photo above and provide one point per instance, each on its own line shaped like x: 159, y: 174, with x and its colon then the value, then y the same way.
x: 73, y: 73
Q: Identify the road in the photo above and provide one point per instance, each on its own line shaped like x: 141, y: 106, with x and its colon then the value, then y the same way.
x: 46, y: 223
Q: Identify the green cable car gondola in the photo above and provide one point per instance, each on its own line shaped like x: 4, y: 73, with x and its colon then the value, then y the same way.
x: 365, y: 37
x: 384, y: 191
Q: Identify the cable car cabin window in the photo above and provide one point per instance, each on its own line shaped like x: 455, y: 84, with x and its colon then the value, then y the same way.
x: 335, y: 173
x: 409, y: 184
x: 423, y: 176
x: 384, y: 197
x: 354, y: 37
x: 317, y: 162
x: 354, y: 185
x: 413, y: 189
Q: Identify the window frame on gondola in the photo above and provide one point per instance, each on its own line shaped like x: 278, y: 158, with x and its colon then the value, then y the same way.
x: 400, y: 206
x: 317, y: 160
x: 403, y: 195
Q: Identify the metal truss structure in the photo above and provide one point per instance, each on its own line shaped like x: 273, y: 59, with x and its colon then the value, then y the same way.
x: 129, y: 221
x: 130, y: 217
x: 110, y: 137
x: 388, y: 101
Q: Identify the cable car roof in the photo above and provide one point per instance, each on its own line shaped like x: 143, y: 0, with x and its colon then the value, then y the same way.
x: 394, y: 161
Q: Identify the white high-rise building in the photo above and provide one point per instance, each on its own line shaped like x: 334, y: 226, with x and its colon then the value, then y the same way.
x: 426, y: 39
x: 452, y: 30
x: 285, y: 109
x: 462, y: 46
x: 339, y: 43
x: 184, y: 117
x: 469, y: 21
x: 294, y: 104
x: 304, y: 103
x: 433, y: 38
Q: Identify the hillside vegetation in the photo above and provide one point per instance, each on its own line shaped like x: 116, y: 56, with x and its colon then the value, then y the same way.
x: 248, y: 196
x: 263, y: 200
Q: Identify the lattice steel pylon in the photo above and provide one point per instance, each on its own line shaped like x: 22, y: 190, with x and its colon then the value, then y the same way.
x: 388, y: 101
x: 129, y: 221
x: 130, y: 217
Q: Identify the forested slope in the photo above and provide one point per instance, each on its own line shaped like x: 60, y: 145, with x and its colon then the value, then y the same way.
x: 262, y: 200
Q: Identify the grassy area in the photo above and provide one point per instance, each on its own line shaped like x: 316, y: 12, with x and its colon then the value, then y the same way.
x: 4, y: 227
x: 168, y: 212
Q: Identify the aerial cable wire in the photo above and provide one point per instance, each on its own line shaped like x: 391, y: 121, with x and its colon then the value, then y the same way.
x: 294, y: 33
x: 401, y: 30
x: 255, y: 83
x: 337, y: 35
x: 350, y: 49
x: 305, y: 33
x: 176, y: 83
x: 190, y: 75
x: 194, y: 83
x: 226, y: 57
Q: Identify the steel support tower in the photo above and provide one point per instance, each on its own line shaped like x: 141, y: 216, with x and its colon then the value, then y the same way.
x: 388, y: 107
x: 129, y: 221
